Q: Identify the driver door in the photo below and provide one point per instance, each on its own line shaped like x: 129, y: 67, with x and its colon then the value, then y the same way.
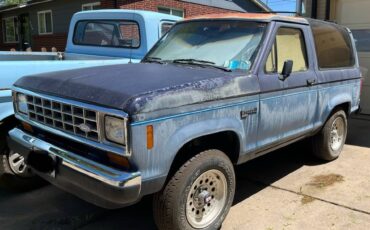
x: 287, y: 106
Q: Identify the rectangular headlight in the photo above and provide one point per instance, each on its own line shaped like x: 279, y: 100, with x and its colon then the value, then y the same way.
x: 21, y: 101
x: 115, y: 129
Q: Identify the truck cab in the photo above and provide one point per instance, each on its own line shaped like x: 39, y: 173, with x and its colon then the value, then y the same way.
x: 216, y: 91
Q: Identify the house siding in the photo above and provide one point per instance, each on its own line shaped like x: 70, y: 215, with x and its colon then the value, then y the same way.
x: 62, y: 12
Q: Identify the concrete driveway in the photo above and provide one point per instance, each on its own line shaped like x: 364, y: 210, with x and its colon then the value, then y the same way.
x: 286, y: 189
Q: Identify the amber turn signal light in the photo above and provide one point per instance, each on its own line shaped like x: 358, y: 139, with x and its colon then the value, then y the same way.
x: 27, y: 127
x: 118, y: 160
x: 149, y: 137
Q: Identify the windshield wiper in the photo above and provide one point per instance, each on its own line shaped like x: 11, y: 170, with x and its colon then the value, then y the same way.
x: 203, y: 63
x: 192, y: 61
x: 154, y: 59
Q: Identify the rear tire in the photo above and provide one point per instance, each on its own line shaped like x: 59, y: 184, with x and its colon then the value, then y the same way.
x: 199, y: 195
x: 328, y: 144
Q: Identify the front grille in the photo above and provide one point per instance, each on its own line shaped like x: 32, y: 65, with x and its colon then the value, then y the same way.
x: 70, y: 118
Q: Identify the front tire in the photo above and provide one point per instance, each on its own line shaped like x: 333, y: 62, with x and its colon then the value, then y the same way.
x: 11, y: 162
x: 328, y: 144
x: 14, y: 164
x: 199, y: 195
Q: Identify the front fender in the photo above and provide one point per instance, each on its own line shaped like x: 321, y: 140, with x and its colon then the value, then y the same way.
x: 6, y: 104
x: 202, y: 128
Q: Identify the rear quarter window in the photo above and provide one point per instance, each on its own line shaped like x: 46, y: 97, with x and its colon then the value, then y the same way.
x: 333, y: 46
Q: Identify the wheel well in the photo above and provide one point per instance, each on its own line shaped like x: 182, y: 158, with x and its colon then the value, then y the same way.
x: 227, y: 142
x: 7, y: 123
x: 346, y: 107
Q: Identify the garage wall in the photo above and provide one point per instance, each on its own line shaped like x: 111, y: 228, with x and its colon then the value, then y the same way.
x: 354, y: 14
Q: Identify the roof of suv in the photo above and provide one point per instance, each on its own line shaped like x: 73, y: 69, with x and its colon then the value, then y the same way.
x: 253, y: 16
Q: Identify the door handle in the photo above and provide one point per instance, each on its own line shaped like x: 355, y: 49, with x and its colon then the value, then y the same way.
x: 311, y: 82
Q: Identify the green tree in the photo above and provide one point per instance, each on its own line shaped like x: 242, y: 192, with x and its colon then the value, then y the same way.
x: 14, y: 2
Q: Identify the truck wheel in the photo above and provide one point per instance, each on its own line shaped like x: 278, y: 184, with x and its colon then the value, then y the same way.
x: 12, y: 163
x: 328, y: 144
x: 199, y: 195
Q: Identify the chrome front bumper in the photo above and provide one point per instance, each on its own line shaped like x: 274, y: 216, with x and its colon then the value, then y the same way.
x: 91, y: 181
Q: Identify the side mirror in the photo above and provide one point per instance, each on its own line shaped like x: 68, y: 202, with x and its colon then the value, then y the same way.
x: 287, y: 70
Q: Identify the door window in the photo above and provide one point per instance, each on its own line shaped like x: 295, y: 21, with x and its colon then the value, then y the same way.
x: 165, y: 27
x: 289, y: 44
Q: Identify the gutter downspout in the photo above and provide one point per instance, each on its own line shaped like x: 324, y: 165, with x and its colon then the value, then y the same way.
x: 327, y: 12
x: 314, y: 9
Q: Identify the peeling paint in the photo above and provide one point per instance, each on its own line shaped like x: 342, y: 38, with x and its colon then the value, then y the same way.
x: 193, y: 93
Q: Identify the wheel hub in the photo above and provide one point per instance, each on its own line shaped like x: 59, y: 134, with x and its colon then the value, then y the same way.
x: 202, y: 198
x: 206, y: 199
x: 337, y: 134
x: 18, y: 165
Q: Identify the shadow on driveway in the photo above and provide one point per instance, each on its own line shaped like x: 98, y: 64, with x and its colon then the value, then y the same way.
x: 359, y: 131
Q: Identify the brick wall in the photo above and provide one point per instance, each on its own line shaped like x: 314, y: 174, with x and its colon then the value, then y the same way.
x: 190, y: 9
x: 48, y: 41
x: 108, y: 4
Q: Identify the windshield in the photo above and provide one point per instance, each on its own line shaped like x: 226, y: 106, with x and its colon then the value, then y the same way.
x: 228, y: 44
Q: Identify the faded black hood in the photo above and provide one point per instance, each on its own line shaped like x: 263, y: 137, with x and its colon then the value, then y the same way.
x: 119, y: 86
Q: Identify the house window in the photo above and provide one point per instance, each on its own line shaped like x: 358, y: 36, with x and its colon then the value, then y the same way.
x: 171, y: 11
x: 91, y: 6
x: 10, y: 29
x: 45, y: 19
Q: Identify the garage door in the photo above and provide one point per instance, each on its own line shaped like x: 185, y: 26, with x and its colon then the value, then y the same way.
x: 355, y: 15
